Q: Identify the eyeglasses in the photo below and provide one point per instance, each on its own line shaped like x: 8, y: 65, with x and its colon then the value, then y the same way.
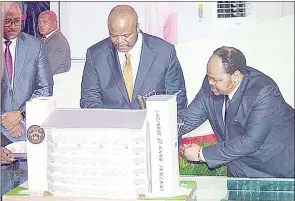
x: 8, y: 23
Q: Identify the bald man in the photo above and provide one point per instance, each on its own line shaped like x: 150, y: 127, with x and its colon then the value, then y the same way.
x: 129, y: 63
x: 26, y: 73
x: 59, y: 53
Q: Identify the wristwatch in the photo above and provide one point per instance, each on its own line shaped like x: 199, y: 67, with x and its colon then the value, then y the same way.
x: 23, y: 113
x: 199, y: 159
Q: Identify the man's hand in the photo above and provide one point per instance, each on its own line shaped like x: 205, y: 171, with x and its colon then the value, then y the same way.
x: 17, y: 131
x: 190, y: 152
x: 5, y: 159
x: 10, y: 119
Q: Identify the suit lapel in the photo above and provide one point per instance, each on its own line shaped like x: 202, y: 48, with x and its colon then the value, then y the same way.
x: 20, y: 55
x: 146, y: 59
x: 236, y: 100
x: 51, y: 36
x: 113, y: 61
x: 218, y: 104
x: 5, y: 75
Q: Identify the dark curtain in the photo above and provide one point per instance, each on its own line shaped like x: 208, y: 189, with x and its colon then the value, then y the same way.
x: 32, y: 10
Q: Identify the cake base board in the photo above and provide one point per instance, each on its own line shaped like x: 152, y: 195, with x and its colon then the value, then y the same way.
x: 21, y: 193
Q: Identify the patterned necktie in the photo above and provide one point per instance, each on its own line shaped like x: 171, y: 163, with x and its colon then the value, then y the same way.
x: 128, y: 76
x: 8, y: 59
x: 227, y: 102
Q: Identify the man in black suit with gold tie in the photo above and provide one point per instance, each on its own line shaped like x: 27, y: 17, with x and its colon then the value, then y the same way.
x: 127, y: 64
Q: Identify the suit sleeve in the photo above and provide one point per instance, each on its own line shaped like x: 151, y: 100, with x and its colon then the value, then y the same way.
x: 174, y: 80
x: 90, y: 88
x: 44, y: 78
x: 59, y: 58
x: 258, y: 126
x: 8, y: 135
x: 193, y: 116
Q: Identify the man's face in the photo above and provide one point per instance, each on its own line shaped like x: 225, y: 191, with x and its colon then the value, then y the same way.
x: 220, y: 82
x: 11, y: 24
x: 46, y: 24
x: 123, y: 32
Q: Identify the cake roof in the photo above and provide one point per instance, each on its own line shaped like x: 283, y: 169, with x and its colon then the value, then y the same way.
x: 160, y: 97
x: 95, y: 118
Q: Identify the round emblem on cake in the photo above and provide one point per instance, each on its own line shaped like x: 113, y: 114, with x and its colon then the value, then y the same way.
x: 35, y: 134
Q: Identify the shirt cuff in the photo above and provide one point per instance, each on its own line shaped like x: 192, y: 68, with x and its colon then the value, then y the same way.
x: 201, y: 155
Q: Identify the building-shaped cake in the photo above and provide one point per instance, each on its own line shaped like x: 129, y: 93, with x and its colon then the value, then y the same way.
x: 103, y: 153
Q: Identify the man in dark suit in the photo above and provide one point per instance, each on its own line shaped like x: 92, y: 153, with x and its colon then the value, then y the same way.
x: 59, y: 52
x: 127, y: 64
x: 253, y: 124
x: 27, y: 73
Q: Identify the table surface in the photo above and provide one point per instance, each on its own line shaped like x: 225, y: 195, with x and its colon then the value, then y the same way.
x: 224, y: 188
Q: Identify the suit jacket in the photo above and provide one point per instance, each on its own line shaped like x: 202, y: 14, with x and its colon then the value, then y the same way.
x: 4, y: 140
x: 258, y: 139
x: 32, y: 74
x: 59, y: 53
x: 103, y: 85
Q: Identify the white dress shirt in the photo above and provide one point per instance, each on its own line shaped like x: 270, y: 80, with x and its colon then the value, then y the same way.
x: 135, y: 53
x: 230, y: 96
x: 12, y: 48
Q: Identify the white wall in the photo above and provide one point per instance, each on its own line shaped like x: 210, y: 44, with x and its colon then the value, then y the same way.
x: 190, y: 28
x: 273, y: 10
x: 67, y: 86
x: 85, y: 23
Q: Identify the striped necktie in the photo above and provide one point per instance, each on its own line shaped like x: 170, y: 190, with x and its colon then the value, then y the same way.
x: 227, y: 102
x: 8, y: 59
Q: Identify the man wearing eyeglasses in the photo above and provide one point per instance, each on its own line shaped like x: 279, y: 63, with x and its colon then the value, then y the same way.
x: 26, y: 73
x: 127, y: 64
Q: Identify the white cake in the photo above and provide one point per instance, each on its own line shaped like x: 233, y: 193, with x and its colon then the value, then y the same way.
x: 100, y: 153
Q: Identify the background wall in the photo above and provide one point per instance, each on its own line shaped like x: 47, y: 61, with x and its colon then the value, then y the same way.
x: 268, y: 44
x: 85, y: 23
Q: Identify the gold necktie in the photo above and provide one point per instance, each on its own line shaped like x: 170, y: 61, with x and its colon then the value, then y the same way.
x: 128, y: 76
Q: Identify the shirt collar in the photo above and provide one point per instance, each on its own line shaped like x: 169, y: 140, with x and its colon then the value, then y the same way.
x: 47, y: 36
x: 135, y: 51
x: 232, y: 93
x: 13, y: 41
